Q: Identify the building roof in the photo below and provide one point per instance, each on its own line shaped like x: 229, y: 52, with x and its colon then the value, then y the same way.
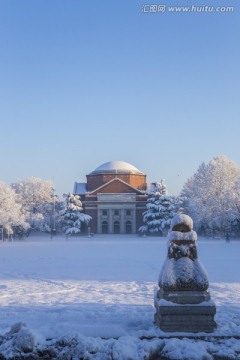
x: 80, y: 188
x: 116, y: 167
x: 135, y: 190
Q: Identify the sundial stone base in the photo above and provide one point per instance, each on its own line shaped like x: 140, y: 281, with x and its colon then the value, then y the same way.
x: 171, y: 317
x: 184, y: 297
x: 182, y: 302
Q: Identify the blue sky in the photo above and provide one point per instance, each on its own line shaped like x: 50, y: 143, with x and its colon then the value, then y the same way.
x: 86, y: 82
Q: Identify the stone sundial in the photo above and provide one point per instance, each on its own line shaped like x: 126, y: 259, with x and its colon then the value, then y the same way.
x: 182, y: 302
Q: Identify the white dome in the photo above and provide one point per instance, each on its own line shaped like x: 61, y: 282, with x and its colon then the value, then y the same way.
x: 115, y: 167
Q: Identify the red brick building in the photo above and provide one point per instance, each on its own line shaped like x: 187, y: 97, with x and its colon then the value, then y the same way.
x: 115, y: 197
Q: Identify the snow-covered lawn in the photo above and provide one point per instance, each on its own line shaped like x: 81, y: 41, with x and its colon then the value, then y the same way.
x: 103, y: 287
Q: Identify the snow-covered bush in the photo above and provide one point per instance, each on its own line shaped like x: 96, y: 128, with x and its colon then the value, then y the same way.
x: 18, y: 342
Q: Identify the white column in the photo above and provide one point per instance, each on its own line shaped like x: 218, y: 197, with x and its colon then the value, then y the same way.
x: 110, y: 221
x: 122, y: 221
x: 99, y: 222
x: 134, y: 221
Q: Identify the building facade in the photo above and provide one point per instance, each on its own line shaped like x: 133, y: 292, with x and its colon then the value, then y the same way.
x: 115, y: 197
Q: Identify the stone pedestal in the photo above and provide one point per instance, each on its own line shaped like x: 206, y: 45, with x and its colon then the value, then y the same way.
x: 183, y: 297
x: 182, y: 302
x: 185, y: 318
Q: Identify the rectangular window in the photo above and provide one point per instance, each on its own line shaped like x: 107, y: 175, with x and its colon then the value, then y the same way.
x: 116, y: 212
x: 104, y: 212
x: 128, y: 212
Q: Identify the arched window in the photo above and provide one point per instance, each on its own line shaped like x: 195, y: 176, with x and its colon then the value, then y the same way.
x: 105, y: 227
x: 116, y: 227
x: 128, y: 227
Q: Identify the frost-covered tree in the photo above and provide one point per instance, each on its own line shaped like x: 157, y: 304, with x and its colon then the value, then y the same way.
x: 160, y: 210
x: 209, y: 194
x: 73, y: 216
x: 36, y: 198
x: 11, y: 216
x: 233, y: 199
x: 52, y: 213
x: 157, y: 187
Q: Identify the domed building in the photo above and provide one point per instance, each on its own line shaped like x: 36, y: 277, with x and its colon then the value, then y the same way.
x: 115, y: 197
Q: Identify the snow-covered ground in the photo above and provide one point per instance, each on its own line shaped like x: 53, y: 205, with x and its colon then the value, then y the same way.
x: 100, y: 291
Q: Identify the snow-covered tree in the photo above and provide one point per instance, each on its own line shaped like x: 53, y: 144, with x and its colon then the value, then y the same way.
x: 36, y: 198
x: 160, y: 210
x: 52, y: 213
x: 233, y: 199
x: 209, y: 194
x: 11, y: 216
x: 157, y: 187
x: 73, y: 216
